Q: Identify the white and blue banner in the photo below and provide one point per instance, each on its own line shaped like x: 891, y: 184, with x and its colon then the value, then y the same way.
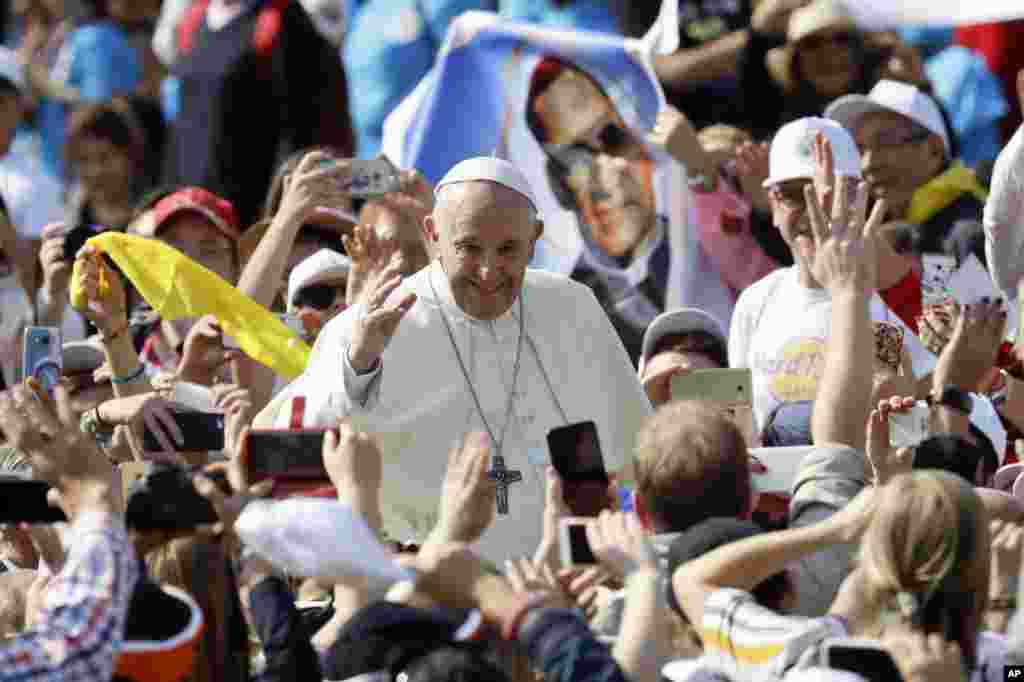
x: 474, y: 103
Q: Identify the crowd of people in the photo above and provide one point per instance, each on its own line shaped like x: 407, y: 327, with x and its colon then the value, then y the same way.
x: 423, y: 425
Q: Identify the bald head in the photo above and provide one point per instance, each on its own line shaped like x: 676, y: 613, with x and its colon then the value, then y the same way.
x: 484, y: 235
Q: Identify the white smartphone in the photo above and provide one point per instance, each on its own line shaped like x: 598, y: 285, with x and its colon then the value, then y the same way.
x: 865, y: 657
x: 938, y: 269
x: 908, y: 429
x: 573, y: 544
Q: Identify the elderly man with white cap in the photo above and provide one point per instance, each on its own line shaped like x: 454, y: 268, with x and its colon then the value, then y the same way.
x: 781, y: 323
x: 474, y: 342
x: 907, y: 159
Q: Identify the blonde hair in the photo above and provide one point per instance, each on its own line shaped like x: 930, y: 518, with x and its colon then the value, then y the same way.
x: 721, y: 135
x: 926, y: 553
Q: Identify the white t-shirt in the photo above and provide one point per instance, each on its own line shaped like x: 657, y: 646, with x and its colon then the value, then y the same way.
x: 33, y: 198
x: 779, y: 330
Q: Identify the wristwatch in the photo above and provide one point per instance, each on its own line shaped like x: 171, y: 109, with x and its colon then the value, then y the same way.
x: 953, y: 398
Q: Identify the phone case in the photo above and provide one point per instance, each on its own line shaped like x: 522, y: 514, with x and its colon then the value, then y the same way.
x: 725, y: 386
x: 908, y: 429
x: 937, y: 270
x: 43, y: 356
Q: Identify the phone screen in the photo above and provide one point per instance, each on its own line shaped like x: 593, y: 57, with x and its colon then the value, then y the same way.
x: 43, y: 356
x: 576, y: 456
x: 285, y: 454
x: 579, y: 546
x: 203, y: 432
x: 874, y: 665
x: 24, y: 501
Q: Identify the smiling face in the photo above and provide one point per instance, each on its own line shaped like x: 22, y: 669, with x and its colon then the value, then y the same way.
x: 484, y: 235
x: 607, y: 170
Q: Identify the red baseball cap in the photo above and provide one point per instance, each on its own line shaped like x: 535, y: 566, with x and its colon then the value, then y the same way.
x: 218, y: 211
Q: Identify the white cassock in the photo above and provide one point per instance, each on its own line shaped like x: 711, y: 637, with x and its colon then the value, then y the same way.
x: 573, y: 368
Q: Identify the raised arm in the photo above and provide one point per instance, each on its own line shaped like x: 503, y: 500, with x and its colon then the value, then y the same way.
x: 846, y: 264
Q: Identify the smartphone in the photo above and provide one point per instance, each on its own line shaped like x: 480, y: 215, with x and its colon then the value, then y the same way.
x: 373, y: 177
x: 937, y: 271
x: 203, y: 432
x: 732, y: 389
x: 43, y: 356
x: 573, y: 544
x: 725, y: 386
x: 864, y: 657
x: 75, y: 239
x: 166, y: 499
x: 23, y: 500
x: 908, y: 429
x: 576, y: 456
x: 284, y: 454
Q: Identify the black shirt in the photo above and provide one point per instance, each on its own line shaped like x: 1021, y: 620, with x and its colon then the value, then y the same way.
x: 243, y: 111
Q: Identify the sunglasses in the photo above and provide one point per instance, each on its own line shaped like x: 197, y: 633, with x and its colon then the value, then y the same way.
x: 317, y: 296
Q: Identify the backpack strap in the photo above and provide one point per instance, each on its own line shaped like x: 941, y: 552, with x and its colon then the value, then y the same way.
x: 189, y: 24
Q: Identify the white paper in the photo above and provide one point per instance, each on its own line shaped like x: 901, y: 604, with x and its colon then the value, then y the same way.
x: 971, y: 282
x: 317, y: 538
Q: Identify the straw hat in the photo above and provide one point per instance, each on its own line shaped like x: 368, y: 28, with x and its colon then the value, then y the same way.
x: 817, y: 17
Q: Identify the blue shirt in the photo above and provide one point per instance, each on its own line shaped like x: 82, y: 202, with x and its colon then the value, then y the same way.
x: 100, y: 63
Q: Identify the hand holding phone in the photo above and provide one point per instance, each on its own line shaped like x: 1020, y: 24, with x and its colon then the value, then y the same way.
x: 374, y: 177
x: 201, y: 432
x: 295, y: 455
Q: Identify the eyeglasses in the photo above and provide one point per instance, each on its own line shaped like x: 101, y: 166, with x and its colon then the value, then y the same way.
x: 892, y: 139
x: 839, y: 39
x: 317, y: 296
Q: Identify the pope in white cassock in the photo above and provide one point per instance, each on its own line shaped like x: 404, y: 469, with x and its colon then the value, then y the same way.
x: 474, y: 342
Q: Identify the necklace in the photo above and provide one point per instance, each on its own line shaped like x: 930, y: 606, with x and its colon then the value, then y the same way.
x: 498, y: 443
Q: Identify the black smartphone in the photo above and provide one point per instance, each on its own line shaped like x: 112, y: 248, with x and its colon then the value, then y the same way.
x: 203, y: 432
x: 166, y: 499
x: 573, y: 544
x: 576, y: 456
x: 23, y: 500
x: 866, y: 658
x: 75, y: 239
x: 284, y: 454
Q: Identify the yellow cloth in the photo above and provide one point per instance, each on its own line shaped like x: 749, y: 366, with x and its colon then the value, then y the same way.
x: 176, y: 286
x: 943, y: 190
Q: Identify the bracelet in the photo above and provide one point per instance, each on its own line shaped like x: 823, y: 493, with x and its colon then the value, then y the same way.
x: 512, y: 623
x: 100, y: 421
x: 1002, y: 603
x: 120, y: 381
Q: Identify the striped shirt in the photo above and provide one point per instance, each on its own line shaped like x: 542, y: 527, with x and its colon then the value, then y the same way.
x: 82, y: 623
x: 751, y: 642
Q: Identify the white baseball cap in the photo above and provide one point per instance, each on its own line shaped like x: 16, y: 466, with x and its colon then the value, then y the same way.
x: 679, y: 321
x: 492, y: 169
x: 887, y: 95
x: 323, y: 266
x: 10, y: 69
x: 792, y: 152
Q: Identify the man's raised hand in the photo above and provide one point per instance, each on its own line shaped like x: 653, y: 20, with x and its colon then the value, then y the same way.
x: 844, y: 250
x: 378, y: 320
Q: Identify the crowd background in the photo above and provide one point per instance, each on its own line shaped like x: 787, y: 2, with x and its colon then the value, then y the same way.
x: 227, y: 130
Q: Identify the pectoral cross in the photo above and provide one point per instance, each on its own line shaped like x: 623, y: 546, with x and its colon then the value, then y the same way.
x: 503, y: 477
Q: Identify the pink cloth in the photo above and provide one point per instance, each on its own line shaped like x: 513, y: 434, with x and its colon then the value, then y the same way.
x: 723, y: 227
